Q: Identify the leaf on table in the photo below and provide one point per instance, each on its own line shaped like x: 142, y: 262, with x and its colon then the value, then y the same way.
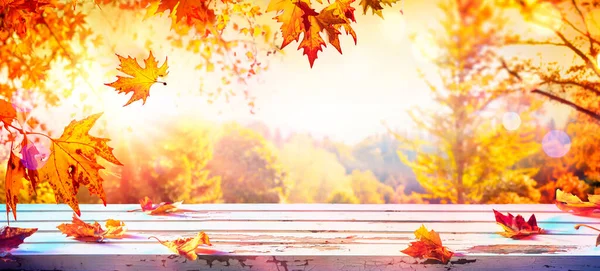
x: 570, y: 203
x: 428, y: 246
x: 141, y: 78
x: 162, y: 208
x: 11, y: 238
x: 115, y: 229
x: 72, y: 163
x: 516, y: 227
x: 186, y: 246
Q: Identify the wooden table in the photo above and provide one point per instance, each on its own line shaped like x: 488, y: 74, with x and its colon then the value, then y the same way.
x: 318, y: 237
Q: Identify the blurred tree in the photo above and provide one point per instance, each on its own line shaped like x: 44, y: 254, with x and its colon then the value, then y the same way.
x: 314, y: 173
x: 248, y: 166
x: 468, y: 158
x: 572, y: 31
x: 342, y: 197
x: 369, y: 190
x: 169, y: 166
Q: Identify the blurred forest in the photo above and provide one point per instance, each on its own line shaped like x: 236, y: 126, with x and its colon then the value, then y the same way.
x: 487, y: 138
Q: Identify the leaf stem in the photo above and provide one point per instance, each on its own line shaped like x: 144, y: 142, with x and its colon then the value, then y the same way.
x: 587, y: 226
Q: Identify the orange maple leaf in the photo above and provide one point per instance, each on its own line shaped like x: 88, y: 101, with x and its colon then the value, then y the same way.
x: 115, y: 229
x: 11, y: 238
x: 142, y: 78
x: 20, y: 15
x: 8, y: 113
x: 570, y: 203
x: 297, y: 17
x: 428, y: 246
x: 72, y: 162
x: 186, y: 246
x: 516, y: 227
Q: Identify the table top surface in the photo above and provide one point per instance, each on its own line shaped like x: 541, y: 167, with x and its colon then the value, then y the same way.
x: 309, y: 229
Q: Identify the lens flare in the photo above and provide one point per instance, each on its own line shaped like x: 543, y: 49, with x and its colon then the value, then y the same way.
x: 511, y: 121
x: 556, y: 143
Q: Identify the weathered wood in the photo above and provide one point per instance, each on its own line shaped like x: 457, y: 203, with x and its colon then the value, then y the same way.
x: 307, y: 237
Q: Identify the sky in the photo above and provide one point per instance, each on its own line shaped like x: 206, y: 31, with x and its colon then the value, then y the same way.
x: 344, y: 97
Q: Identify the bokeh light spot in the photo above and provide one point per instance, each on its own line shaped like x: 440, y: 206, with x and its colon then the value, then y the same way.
x: 34, y: 155
x: 556, y: 143
x: 511, y: 121
x: 22, y: 100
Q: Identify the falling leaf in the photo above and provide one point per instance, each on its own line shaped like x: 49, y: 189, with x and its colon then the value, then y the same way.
x: 516, y: 227
x: 78, y: 229
x: 593, y: 228
x: 376, y: 5
x: 571, y: 203
x: 72, y: 162
x: 428, y: 246
x: 186, y: 246
x: 11, y: 238
x: 142, y: 78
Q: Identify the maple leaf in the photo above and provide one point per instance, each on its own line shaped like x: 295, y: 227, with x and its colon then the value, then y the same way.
x: 192, y: 11
x: 13, y: 182
x: 335, y: 16
x: 428, y: 246
x: 376, y: 5
x: 593, y: 228
x: 73, y: 162
x: 80, y: 230
x: 570, y: 203
x: 11, y: 238
x: 186, y: 246
x: 290, y: 17
x: 515, y: 227
x: 7, y: 112
x: 142, y: 78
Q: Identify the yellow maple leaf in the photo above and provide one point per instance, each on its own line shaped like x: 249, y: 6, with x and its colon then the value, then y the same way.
x: 73, y: 162
x: 142, y: 78
x: 186, y: 246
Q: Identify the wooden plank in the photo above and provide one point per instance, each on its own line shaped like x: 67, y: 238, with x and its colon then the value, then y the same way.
x: 134, y: 248
x: 587, y: 239
x: 235, y: 226
x: 296, y: 263
x: 539, y: 208
x: 332, y: 216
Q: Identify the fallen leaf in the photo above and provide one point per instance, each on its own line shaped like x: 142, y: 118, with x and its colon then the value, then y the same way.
x: 428, y: 246
x: 73, y: 162
x: 516, y: 227
x: 142, y: 78
x: 79, y: 229
x: 186, y: 246
x: 11, y: 238
x: 570, y: 203
x: 588, y: 226
x: 158, y: 209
